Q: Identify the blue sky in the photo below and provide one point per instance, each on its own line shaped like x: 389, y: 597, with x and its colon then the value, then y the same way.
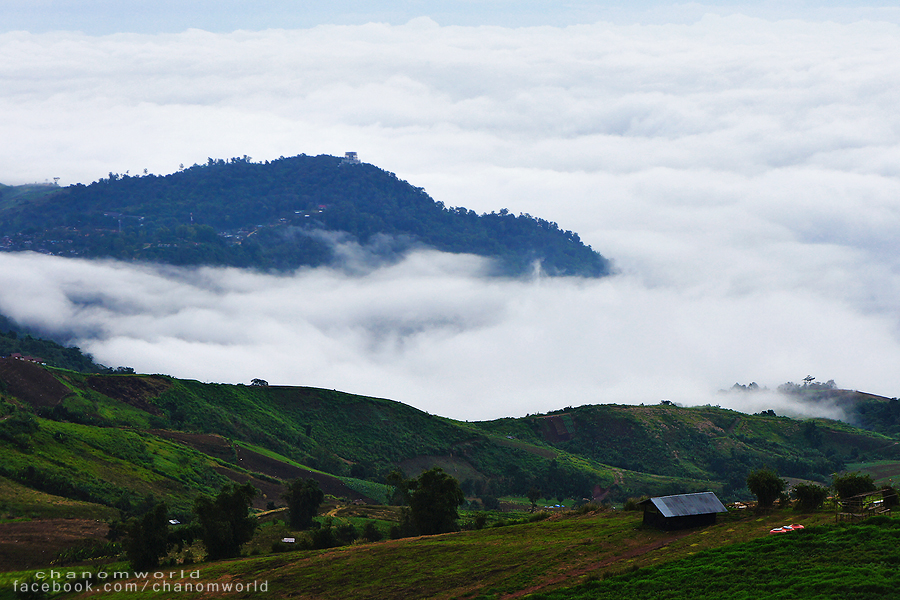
x: 169, y: 16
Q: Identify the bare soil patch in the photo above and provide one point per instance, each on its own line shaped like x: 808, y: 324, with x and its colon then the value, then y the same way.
x: 207, y: 443
x: 131, y: 389
x: 260, y: 463
x: 32, y: 544
x: 268, y: 490
x: 31, y: 383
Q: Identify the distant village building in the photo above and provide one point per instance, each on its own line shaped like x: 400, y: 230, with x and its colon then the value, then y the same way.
x: 350, y: 158
x: 682, y: 511
x: 19, y: 356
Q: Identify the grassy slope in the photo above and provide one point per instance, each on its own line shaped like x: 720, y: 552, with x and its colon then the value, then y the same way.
x: 102, y: 464
x: 129, y: 454
x: 632, y: 450
x: 858, y: 561
x: 499, y: 562
x: 21, y: 502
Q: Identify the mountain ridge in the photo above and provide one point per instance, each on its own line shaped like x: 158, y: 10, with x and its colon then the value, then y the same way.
x: 620, y: 450
x: 271, y: 215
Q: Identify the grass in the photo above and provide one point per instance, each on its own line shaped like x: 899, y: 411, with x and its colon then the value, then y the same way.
x: 883, y: 472
x: 20, y: 502
x: 540, y: 557
x: 100, y: 464
x: 858, y: 561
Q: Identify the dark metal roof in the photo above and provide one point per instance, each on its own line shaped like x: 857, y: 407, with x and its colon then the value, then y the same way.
x: 684, y: 505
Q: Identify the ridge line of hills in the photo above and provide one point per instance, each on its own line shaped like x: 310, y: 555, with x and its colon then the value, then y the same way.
x: 280, y: 215
x: 599, y: 452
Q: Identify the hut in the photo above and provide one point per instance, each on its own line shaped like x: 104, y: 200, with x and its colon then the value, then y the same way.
x: 682, y: 511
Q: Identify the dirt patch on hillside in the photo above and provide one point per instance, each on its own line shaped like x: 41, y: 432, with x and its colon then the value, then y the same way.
x: 554, y: 428
x: 207, y: 443
x: 32, y: 544
x: 31, y: 383
x: 221, y: 448
x: 259, y: 463
x: 135, y: 390
x: 269, y: 491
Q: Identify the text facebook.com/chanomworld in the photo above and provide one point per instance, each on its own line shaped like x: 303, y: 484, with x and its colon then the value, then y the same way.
x: 54, y: 581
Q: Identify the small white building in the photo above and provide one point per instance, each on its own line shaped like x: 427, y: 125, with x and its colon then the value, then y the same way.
x: 351, y: 158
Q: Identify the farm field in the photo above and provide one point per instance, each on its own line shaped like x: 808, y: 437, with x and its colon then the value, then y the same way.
x: 849, y: 561
x: 550, y: 556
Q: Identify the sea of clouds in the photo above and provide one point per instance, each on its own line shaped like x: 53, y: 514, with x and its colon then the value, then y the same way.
x: 743, y: 174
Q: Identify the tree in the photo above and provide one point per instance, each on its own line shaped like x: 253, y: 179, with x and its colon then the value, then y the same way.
x: 433, y: 500
x: 766, y: 485
x: 809, y: 496
x: 534, y: 494
x: 852, y: 484
x: 303, y: 498
x: 148, y: 538
x: 225, y: 524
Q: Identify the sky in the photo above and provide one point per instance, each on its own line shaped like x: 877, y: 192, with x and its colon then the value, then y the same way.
x: 738, y: 163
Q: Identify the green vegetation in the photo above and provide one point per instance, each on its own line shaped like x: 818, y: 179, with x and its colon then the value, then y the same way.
x: 766, y: 485
x: 133, y: 436
x: 857, y: 561
x: 809, y: 496
x: 848, y: 485
x: 535, y: 556
x: 148, y: 538
x: 280, y: 214
x: 107, y: 444
x: 51, y: 353
x: 434, y: 498
x: 303, y: 498
x: 225, y: 524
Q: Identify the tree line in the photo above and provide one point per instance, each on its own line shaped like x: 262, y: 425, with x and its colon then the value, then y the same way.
x: 224, y: 523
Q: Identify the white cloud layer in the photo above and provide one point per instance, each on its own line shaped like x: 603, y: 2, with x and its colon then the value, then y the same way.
x: 742, y: 173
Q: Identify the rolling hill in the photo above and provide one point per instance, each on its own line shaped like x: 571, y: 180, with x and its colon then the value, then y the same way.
x: 83, y: 449
x: 129, y: 436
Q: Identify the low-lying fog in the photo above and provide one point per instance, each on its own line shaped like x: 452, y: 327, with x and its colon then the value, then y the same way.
x: 742, y: 174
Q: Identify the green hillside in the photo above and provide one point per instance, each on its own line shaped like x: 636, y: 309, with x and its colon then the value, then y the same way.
x: 80, y: 449
x: 607, y: 452
x: 281, y: 214
x: 602, y: 554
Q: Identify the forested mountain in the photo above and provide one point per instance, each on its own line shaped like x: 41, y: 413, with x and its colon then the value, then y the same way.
x: 16, y: 340
x: 280, y: 214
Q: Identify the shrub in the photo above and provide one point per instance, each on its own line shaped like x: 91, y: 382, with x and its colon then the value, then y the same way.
x: 852, y: 484
x: 371, y: 533
x: 634, y: 503
x: 479, y: 521
x: 809, y: 496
